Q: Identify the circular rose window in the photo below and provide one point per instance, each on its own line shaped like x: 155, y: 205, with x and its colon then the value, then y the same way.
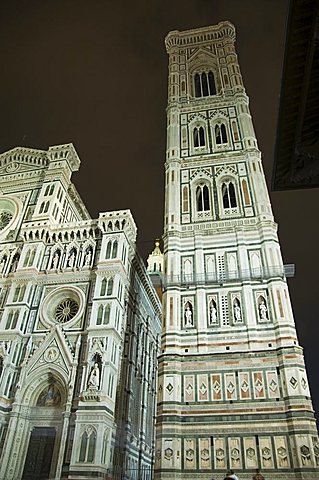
x: 66, y: 310
x: 9, y: 210
x: 5, y: 219
x: 63, y: 305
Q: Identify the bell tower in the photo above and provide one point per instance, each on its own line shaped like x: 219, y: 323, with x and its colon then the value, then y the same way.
x: 233, y: 390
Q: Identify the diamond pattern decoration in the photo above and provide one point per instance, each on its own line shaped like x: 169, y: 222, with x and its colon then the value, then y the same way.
x: 169, y: 388
x: 273, y: 385
x: 203, y: 389
x: 303, y: 383
x: 216, y: 387
x: 189, y: 389
x: 258, y: 385
x: 293, y: 382
x: 231, y: 387
x: 244, y: 386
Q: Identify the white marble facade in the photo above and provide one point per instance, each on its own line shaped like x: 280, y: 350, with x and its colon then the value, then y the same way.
x: 79, y: 329
x: 233, y: 390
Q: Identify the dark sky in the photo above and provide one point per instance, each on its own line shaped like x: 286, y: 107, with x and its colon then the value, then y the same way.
x: 94, y: 73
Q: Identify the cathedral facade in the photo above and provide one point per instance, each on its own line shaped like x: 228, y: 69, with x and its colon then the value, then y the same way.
x: 79, y: 329
x: 233, y: 390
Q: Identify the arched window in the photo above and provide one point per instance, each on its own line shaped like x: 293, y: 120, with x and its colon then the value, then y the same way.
x: 199, y: 137
x: 220, y: 134
x: 202, y: 198
x: 16, y: 293
x: 204, y: 84
x: 110, y: 286
x: 107, y: 311
x: 1, y: 365
x: 229, y: 195
x: 99, y: 315
x: 32, y: 256
x: 42, y: 207
x: 87, y: 446
x: 27, y: 258
x: 108, y: 250
x: 114, y: 249
x: 22, y: 293
x: 197, y: 84
x: 103, y: 287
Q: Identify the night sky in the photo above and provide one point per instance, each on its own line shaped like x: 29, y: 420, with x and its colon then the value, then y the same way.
x: 94, y: 73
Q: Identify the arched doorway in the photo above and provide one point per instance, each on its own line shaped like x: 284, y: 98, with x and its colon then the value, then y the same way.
x: 46, y: 423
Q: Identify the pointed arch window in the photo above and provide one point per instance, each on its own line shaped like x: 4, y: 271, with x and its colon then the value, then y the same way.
x: 108, y: 250
x: 110, y: 286
x: 88, y: 444
x: 99, y: 315
x: 107, y: 311
x: 114, y: 249
x: 103, y: 314
x: 229, y: 195
x: 204, y: 84
x: 199, y: 137
x: 103, y: 287
x: 220, y: 134
x: 12, y: 319
x: 202, y: 198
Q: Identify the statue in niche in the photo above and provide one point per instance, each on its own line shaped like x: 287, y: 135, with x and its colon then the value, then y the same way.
x: 88, y: 258
x: 263, y: 311
x: 94, y: 378
x: 14, y: 264
x: 55, y: 260
x: 188, y: 315
x: 71, y: 260
x: 237, y: 312
x: 213, y: 312
x: 49, y: 397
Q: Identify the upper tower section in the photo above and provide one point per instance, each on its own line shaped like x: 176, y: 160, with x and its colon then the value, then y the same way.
x: 205, y: 86
x: 213, y: 165
x: 202, y: 63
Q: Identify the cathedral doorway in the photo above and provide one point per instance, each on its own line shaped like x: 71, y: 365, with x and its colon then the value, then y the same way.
x: 39, y: 456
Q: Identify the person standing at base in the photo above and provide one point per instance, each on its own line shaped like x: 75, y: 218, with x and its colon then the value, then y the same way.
x: 258, y: 475
x: 231, y: 474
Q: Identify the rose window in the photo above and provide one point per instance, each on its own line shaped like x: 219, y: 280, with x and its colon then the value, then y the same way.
x: 5, y: 219
x: 66, y: 310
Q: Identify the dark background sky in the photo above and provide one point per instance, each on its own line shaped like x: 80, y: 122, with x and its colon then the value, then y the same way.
x: 94, y: 73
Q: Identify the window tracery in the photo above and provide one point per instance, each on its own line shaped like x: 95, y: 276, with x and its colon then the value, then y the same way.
x: 87, y: 446
x: 229, y: 195
x: 202, y: 198
x: 204, y: 84
x: 199, y: 137
x: 103, y: 314
x: 107, y: 286
x: 220, y: 134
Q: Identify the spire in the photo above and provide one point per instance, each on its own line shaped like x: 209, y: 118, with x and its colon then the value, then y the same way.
x: 155, y: 259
